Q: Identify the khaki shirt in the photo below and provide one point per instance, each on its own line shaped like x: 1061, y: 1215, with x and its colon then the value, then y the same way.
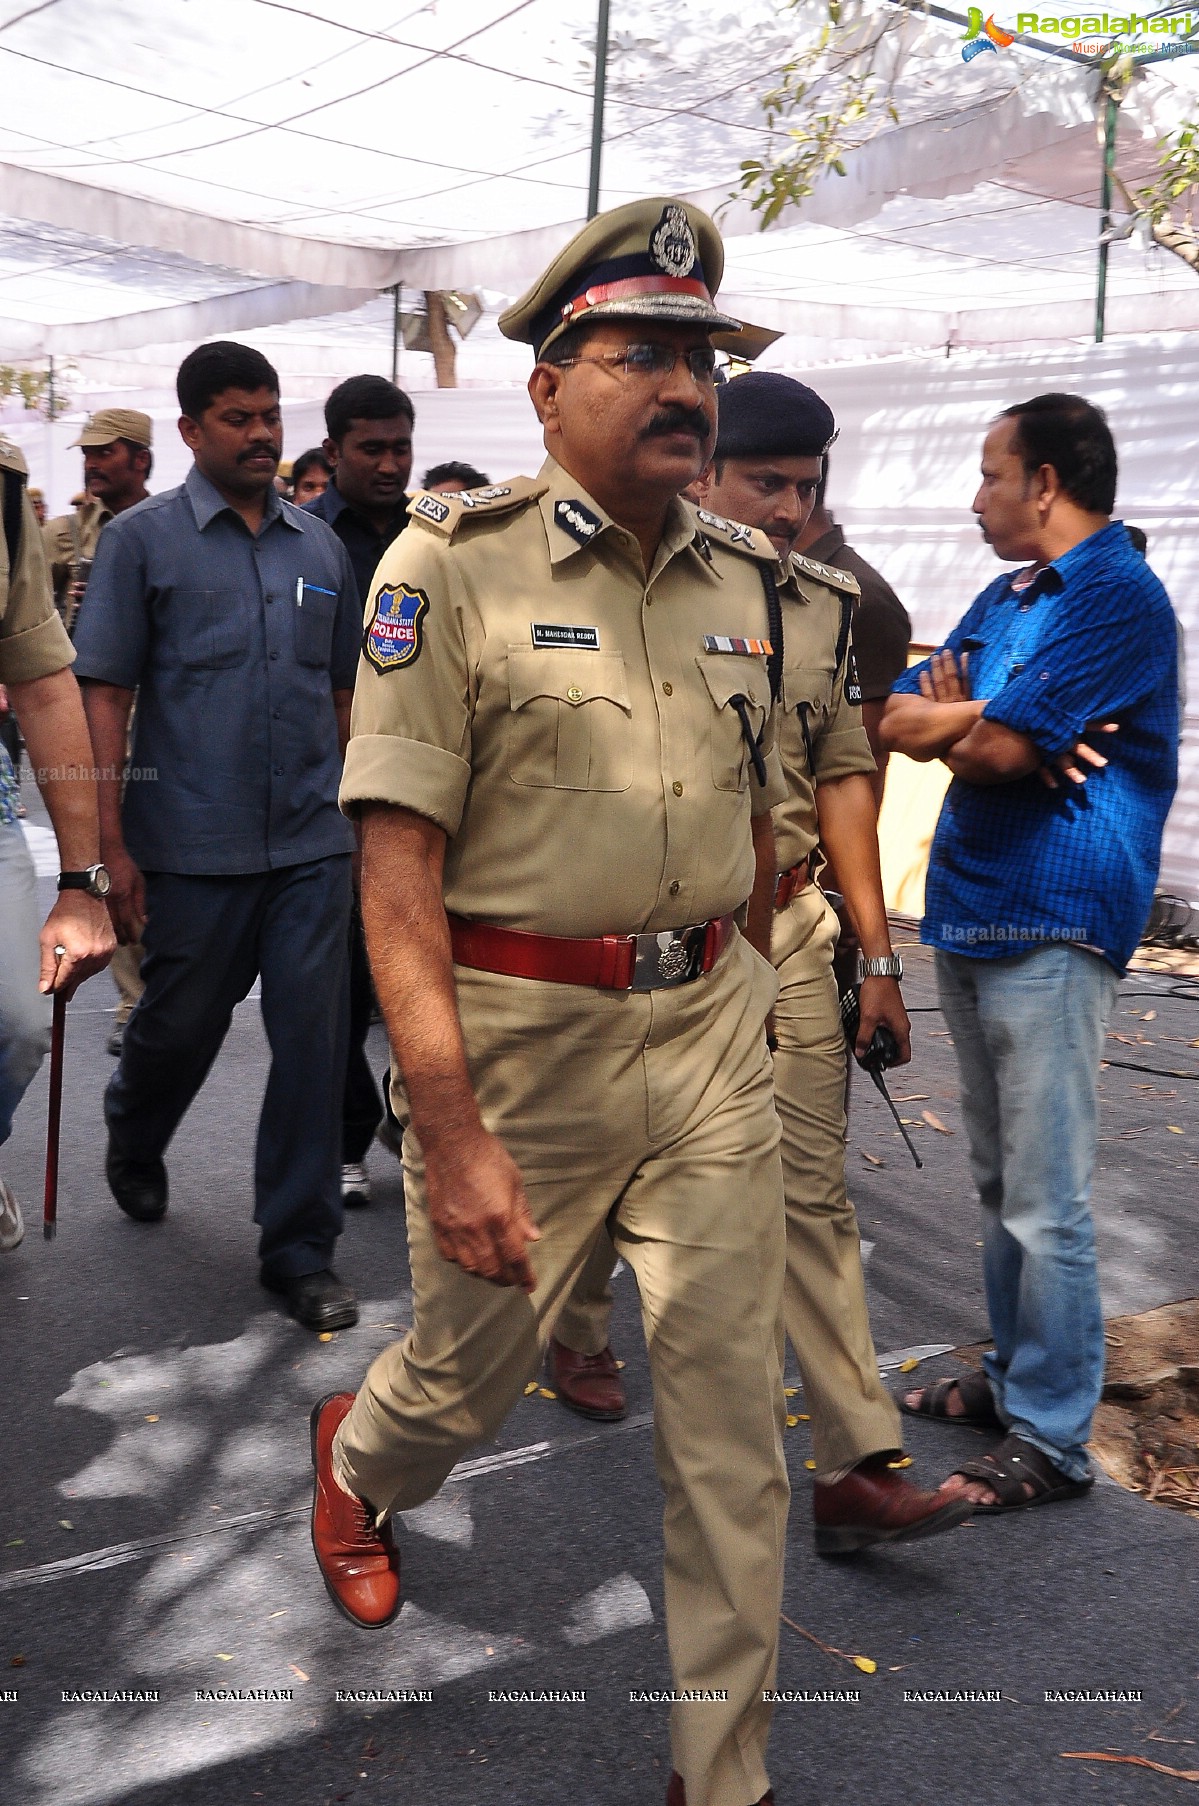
x: 33, y: 641
x: 567, y: 723
x: 814, y: 696
x: 72, y: 536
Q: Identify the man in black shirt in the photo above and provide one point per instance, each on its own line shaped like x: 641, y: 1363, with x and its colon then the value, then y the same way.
x: 369, y: 422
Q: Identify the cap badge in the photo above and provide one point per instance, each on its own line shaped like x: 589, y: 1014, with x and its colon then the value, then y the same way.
x: 672, y: 243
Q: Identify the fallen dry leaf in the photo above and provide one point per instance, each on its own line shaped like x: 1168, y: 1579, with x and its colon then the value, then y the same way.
x: 544, y: 1392
x: 934, y: 1122
x: 871, y: 1159
x: 530, y: 1388
x: 811, y: 1466
x: 1159, y: 1768
x: 326, y: 1335
x: 298, y: 1672
x: 1149, y: 1016
x: 910, y: 1365
x: 865, y: 1663
x: 153, y: 1417
x: 792, y: 1421
x: 1174, y: 1128
x: 223, y: 1658
x: 913, y: 1097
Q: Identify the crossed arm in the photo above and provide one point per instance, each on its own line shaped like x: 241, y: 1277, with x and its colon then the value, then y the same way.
x: 945, y: 722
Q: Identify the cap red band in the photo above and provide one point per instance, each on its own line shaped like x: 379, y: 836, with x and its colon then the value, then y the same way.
x: 635, y: 285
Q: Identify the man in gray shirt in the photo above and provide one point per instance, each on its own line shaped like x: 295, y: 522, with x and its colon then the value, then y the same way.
x: 235, y: 618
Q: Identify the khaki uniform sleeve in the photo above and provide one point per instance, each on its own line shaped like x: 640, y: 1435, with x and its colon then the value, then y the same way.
x: 840, y: 747
x: 33, y: 640
x: 410, y: 729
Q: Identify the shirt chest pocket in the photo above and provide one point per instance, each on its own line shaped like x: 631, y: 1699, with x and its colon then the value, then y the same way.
x: 314, y: 618
x: 728, y: 679
x: 570, y: 726
x: 809, y: 688
x: 207, y: 629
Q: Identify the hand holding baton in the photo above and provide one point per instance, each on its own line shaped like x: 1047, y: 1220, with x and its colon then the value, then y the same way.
x: 882, y: 1052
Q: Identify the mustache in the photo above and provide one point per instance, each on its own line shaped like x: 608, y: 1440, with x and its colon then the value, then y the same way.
x: 678, y: 420
x: 255, y: 451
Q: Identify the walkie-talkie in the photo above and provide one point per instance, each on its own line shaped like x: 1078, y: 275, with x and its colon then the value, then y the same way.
x: 882, y: 1052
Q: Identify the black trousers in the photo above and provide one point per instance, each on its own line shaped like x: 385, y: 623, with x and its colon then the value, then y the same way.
x: 206, y: 941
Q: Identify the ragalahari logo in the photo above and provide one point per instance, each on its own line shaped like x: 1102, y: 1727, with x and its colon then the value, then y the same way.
x: 983, y: 35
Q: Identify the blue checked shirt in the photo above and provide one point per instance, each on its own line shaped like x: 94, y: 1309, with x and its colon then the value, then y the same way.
x: 1016, y: 866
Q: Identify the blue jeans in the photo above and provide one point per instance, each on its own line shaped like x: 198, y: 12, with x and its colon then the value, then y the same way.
x: 1028, y: 1033
x: 24, y: 1011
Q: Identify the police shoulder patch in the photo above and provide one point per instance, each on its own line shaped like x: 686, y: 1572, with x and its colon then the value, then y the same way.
x: 576, y: 519
x: 446, y: 515
x: 736, y: 535
x: 394, y: 633
x: 825, y: 573
x: 853, y: 683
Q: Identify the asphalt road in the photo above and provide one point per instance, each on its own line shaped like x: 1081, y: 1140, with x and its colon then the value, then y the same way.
x: 155, y: 1480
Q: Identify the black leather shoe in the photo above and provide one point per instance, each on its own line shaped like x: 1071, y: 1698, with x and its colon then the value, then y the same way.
x: 317, y: 1300
x: 139, y: 1186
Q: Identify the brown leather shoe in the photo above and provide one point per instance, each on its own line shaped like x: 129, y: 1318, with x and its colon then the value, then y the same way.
x: 874, y: 1504
x: 676, y: 1793
x: 360, y: 1565
x: 588, y: 1384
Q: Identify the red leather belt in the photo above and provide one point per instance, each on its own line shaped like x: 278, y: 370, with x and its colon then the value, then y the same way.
x: 612, y: 962
x: 790, y: 883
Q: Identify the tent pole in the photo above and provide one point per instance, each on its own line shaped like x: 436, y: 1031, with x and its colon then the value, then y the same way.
x: 1111, y: 114
x: 395, y: 333
x: 597, y: 110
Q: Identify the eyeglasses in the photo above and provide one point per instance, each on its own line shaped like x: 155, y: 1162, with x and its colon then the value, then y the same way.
x: 653, y: 360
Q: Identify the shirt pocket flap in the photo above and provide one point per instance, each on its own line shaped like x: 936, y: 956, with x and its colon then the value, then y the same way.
x: 730, y: 675
x: 568, y: 678
x: 809, y: 686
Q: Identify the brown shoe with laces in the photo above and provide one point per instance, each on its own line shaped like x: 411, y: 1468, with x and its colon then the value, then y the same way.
x: 588, y: 1384
x: 360, y: 1565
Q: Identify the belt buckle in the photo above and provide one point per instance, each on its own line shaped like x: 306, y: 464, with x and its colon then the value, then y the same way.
x: 673, y: 957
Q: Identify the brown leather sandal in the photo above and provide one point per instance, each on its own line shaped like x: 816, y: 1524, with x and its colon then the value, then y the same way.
x: 975, y: 1392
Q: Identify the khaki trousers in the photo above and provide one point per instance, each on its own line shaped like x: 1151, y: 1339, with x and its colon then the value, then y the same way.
x: 126, y: 969
x: 853, y: 1414
x: 651, y: 1114
x: 824, y: 1305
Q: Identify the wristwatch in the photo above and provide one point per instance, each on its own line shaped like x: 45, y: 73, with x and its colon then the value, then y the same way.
x: 891, y: 967
x: 95, y: 880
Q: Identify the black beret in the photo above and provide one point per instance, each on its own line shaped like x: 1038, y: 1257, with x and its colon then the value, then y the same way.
x: 765, y: 412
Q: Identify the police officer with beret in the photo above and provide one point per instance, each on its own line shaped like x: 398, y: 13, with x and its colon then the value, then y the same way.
x: 773, y: 435
x: 563, y: 759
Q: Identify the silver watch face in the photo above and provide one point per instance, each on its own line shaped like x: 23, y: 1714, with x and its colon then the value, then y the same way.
x: 101, y: 881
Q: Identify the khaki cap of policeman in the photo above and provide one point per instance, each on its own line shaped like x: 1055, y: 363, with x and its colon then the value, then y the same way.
x: 648, y: 260
x: 108, y: 424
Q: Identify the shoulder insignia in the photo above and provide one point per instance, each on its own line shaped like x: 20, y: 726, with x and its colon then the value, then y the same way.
x: 735, y: 534
x: 574, y: 517
x: 446, y: 515
x: 825, y: 573
x: 12, y: 458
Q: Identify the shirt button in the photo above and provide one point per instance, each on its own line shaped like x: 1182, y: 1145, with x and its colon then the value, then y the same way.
x: 274, y: 655
x: 278, y: 771
x: 668, y: 689
x: 677, y: 788
x: 574, y: 694
x: 675, y: 888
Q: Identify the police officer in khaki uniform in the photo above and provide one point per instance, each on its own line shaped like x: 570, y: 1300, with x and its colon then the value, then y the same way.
x: 772, y: 439
x: 76, y: 938
x: 563, y: 760
x: 117, y: 460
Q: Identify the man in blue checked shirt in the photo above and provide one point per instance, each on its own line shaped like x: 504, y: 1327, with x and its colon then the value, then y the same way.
x: 235, y: 619
x: 1054, y: 703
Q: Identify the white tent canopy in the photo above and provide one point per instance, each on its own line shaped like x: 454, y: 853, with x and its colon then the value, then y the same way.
x: 171, y: 171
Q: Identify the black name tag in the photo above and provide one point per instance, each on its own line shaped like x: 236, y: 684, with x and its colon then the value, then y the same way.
x: 549, y: 633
